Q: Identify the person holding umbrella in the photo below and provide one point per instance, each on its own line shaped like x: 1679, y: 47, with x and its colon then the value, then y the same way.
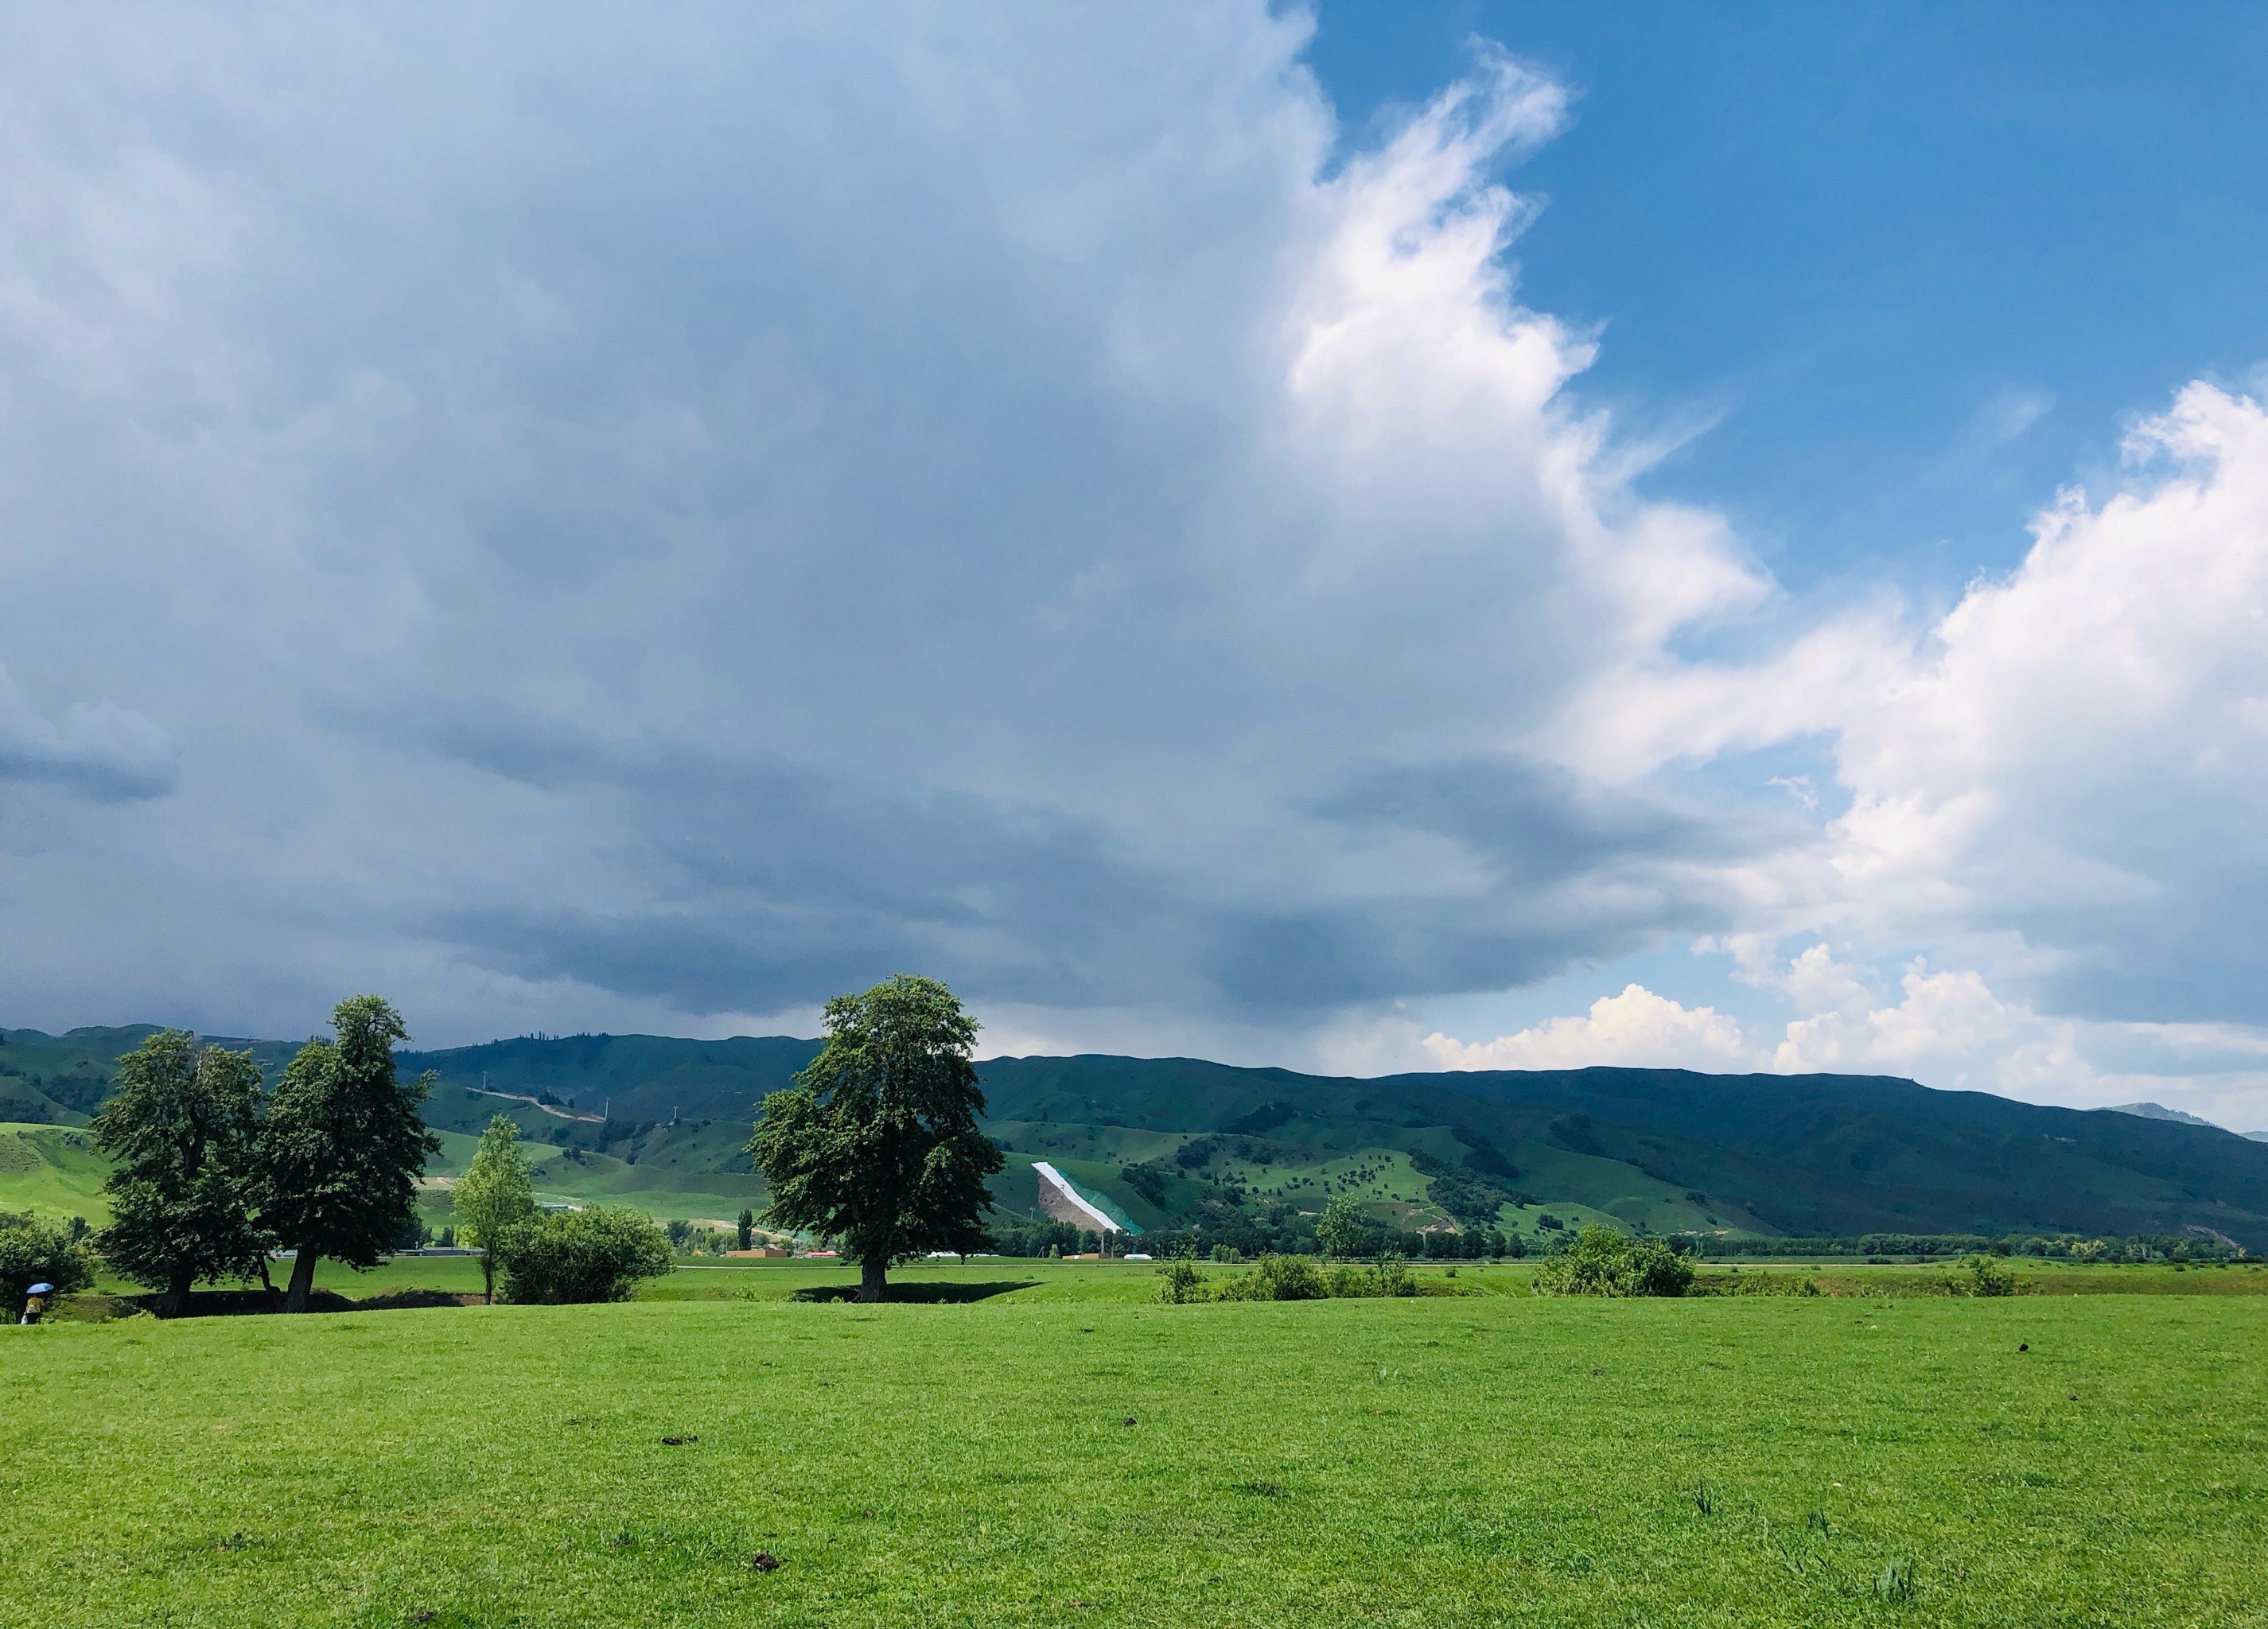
x: 34, y: 1299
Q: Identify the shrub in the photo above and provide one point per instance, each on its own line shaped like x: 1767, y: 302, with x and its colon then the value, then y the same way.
x: 1980, y: 1275
x: 1292, y: 1277
x: 32, y: 1252
x: 1602, y: 1262
x: 598, y: 1254
x: 1279, y: 1277
x: 1180, y: 1282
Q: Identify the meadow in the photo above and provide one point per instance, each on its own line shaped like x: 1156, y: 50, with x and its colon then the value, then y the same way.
x: 1063, y: 1449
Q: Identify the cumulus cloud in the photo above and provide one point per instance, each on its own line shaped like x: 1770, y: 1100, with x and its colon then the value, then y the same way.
x: 1635, y: 1029
x: 1947, y: 1028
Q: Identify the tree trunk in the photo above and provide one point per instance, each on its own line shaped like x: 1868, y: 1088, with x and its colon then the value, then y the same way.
x: 488, y: 1274
x: 873, y: 1286
x: 177, y: 1292
x: 303, y: 1281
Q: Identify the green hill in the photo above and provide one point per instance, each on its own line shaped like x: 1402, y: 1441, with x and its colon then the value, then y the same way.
x: 661, y: 1123
x: 52, y: 1171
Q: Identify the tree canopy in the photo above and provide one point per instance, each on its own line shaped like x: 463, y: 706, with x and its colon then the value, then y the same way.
x: 876, y: 1145
x: 183, y: 1128
x: 1343, y: 1230
x: 494, y: 1195
x: 343, y: 1147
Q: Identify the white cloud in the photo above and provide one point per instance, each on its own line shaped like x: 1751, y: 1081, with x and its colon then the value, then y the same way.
x: 1635, y: 1029
x: 1948, y: 1015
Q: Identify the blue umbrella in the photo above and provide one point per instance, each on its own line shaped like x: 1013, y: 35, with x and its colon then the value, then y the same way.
x: 40, y: 1289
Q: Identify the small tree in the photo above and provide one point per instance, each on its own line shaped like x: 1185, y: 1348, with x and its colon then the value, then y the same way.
x: 748, y: 1230
x: 183, y: 1127
x: 1343, y: 1230
x: 343, y: 1147
x: 877, y: 1144
x: 494, y: 1195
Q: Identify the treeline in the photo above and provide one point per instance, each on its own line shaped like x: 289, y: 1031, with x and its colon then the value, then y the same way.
x: 2138, y: 1248
x: 214, y: 1175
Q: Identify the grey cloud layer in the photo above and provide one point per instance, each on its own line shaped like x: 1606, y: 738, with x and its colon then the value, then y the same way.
x: 716, y: 512
x: 578, y: 521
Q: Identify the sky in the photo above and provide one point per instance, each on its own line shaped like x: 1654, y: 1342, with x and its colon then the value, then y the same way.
x: 1363, y: 538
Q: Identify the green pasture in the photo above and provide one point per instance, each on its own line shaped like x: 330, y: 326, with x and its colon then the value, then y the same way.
x: 52, y: 1171
x: 581, y: 1176
x: 1061, y: 1449
x: 705, y: 1279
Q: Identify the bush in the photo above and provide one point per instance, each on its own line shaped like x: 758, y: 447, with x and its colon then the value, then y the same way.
x: 1980, y: 1275
x: 1279, y: 1277
x: 566, y: 1257
x: 1181, y: 1282
x: 32, y: 1252
x: 1602, y: 1262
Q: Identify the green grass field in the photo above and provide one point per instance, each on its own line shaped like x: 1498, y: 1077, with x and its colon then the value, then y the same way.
x: 1066, y: 1451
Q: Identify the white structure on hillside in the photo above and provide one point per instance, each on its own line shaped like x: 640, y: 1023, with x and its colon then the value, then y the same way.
x: 1057, y: 1196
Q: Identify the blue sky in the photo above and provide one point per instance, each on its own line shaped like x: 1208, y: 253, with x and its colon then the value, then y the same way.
x: 1916, y: 264
x: 1394, y: 537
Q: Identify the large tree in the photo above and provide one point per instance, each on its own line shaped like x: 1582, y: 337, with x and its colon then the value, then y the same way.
x: 182, y: 1127
x: 494, y: 1195
x: 877, y: 1146
x: 343, y: 1147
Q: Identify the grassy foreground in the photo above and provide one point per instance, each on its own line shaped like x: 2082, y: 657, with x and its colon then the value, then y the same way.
x: 1488, y: 1459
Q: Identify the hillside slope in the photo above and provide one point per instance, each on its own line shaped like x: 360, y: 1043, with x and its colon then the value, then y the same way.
x: 1172, y: 1140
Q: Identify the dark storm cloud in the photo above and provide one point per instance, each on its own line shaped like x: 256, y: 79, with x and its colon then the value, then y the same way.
x: 772, y: 886
x: 715, y: 508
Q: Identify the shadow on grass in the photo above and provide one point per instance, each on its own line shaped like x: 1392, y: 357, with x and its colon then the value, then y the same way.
x: 239, y: 1304
x: 932, y: 1293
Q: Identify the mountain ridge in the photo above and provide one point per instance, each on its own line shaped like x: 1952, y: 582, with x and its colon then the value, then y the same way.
x: 1179, y: 1139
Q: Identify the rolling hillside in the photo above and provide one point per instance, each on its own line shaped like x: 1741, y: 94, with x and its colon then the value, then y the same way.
x: 661, y: 1123
x: 52, y: 1171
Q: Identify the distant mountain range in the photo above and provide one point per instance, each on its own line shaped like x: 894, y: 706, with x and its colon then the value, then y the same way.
x: 2159, y: 1112
x: 1162, y: 1141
